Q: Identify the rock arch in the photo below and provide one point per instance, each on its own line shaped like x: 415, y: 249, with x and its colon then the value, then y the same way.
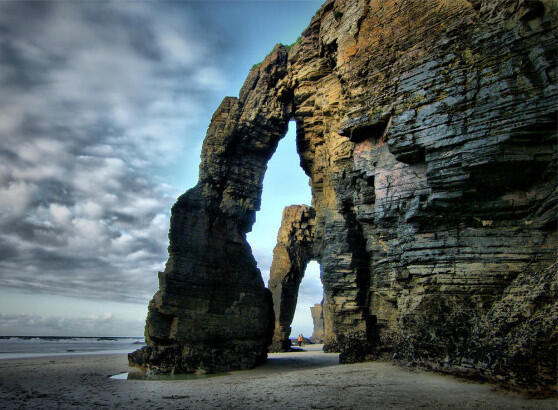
x: 413, y: 121
x: 294, y: 249
x: 212, y: 311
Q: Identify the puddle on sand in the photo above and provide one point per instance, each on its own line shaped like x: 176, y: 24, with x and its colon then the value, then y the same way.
x: 160, y: 377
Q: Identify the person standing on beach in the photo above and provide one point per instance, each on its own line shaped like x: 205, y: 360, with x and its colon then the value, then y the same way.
x: 300, y: 339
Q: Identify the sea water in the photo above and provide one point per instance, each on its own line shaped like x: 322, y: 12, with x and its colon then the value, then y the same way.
x: 14, y: 347
x: 138, y: 375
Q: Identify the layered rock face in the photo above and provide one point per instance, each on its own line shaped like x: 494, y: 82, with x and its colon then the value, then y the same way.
x: 318, y: 321
x: 212, y: 311
x: 428, y: 130
x: 292, y: 253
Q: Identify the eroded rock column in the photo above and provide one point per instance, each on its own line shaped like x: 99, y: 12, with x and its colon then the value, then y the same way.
x: 318, y: 320
x: 212, y: 311
x: 290, y: 257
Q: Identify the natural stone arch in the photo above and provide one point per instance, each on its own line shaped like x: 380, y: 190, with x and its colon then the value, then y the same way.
x: 212, y: 311
x: 413, y: 120
x: 294, y: 249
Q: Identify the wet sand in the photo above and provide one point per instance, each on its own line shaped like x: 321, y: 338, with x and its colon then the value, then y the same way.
x: 309, y: 380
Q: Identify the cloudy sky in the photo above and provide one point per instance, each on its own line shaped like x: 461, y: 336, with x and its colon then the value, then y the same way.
x: 103, y: 109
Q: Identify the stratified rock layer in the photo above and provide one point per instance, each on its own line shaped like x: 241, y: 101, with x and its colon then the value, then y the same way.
x: 212, y: 311
x: 318, y: 321
x: 292, y: 253
x: 428, y: 130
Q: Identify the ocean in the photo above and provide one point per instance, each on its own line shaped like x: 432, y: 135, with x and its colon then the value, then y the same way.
x: 15, y: 347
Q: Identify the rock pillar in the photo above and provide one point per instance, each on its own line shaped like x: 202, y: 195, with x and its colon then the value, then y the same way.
x: 318, y: 319
x: 212, y: 311
x: 290, y: 257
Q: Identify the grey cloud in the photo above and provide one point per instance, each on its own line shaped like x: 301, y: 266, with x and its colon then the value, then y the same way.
x: 89, y: 277
x: 122, y: 217
x: 33, y: 232
x: 24, y: 71
x: 18, y: 75
x: 54, y: 191
x: 93, y: 98
x: 53, y: 260
x: 106, y: 324
x: 311, y: 291
x: 7, y: 250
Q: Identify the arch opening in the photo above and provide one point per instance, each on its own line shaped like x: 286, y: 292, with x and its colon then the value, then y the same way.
x: 308, y: 317
x: 294, y: 249
x: 286, y: 231
x: 284, y: 184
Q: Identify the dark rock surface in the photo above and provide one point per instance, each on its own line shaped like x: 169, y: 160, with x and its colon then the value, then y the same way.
x: 429, y: 133
x: 212, y: 311
x: 428, y: 130
x: 292, y: 253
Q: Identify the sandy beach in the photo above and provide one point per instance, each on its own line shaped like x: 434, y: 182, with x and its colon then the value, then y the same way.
x: 309, y: 379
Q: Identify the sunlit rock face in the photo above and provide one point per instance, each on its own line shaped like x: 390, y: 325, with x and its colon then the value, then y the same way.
x: 428, y: 130
x: 318, y: 321
x: 294, y: 249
